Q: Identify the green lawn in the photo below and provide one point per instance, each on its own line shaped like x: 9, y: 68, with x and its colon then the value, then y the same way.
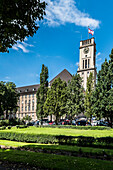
x: 55, y: 147
x: 54, y: 161
x: 60, y: 131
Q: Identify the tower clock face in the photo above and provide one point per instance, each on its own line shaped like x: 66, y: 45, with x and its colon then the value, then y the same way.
x: 86, y: 50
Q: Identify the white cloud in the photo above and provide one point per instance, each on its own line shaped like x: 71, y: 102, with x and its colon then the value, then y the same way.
x: 98, y: 54
x: 77, y: 64
x: 60, y: 12
x: 22, y: 45
x: 99, y: 59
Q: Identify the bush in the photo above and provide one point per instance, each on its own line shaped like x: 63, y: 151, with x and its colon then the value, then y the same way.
x: 78, y: 127
x: 4, y: 123
x: 61, y: 139
x: 85, y: 141
x: 20, y: 137
x: 3, y: 128
x: 9, y: 127
x: 21, y: 126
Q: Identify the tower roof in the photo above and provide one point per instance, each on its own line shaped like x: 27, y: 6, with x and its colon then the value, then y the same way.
x: 64, y: 75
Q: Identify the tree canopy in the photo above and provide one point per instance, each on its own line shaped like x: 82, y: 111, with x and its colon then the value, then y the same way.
x: 75, y: 97
x: 103, y: 94
x: 88, y: 96
x: 56, y: 99
x: 42, y: 92
x: 8, y: 98
x: 18, y: 20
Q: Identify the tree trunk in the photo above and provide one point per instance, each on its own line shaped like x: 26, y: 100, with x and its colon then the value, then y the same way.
x: 111, y: 120
x: 7, y: 114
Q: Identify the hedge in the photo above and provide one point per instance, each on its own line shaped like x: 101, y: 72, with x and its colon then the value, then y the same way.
x: 77, y: 127
x: 60, y: 139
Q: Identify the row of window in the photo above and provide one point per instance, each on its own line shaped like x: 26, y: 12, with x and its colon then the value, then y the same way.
x: 26, y: 90
x: 27, y: 108
x: 86, y: 63
x: 86, y: 42
x: 24, y: 115
x: 27, y: 95
x: 26, y: 102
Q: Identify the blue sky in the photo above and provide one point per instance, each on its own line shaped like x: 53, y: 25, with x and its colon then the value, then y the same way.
x: 56, y: 43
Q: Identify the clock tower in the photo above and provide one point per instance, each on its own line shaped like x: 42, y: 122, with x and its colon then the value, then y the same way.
x: 87, y: 59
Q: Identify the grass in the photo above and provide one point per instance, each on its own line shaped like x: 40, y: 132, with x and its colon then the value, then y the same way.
x: 55, y: 147
x: 49, y: 161
x: 58, y: 131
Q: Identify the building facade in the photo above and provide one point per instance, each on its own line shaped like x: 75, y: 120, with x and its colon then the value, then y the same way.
x: 87, y: 60
x: 27, y: 102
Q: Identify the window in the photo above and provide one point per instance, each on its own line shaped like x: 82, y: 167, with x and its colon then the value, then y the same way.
x: 22, y: 108
x: 26, y: 90
x: 32, y: 95
x: 25, y: 114
x: 29, y: 95
x: 33, y: 108
x: 85, y: 63
x: 88, y: 63
x: 88, y: 72
x: 26, y: 96
x: 29, y: 108
x: 34, y: 89
x: 19, y: 102
x: 32, y: 114
x: 25, y: 101
x: 82, y: 73
x: 85, y: 56
x: 25, y: 108
x: 22, y: 114
x: 29, y: 101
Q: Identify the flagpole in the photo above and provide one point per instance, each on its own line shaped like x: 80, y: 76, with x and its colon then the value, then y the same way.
x: 88, y: 32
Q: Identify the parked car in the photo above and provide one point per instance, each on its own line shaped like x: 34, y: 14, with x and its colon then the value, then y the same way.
x: 94, y: 123
x: 31, y: 123
x: 81, y: 123
x: 50, y: 122
x: 102, y: 123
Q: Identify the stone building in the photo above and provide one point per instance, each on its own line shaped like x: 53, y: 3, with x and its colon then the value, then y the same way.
x: 27, y: 101
x: 87, y: 59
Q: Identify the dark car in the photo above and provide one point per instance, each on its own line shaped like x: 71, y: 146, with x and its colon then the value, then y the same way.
x: 31, y: 123
x: 81, y: 123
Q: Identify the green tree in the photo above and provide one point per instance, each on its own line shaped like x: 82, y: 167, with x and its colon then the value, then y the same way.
x: 88, y: 96
x: 18, y: 20
x: 102, y: 97
x: 56, y: 99
x: 10, y: 99
x: 2, y: 98
x: 75, y: 97
x: 42, y: 92
x: 27, y: 118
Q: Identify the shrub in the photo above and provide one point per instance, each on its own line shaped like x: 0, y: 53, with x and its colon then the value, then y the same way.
x: 9, y: 127
x: 78, y: 127
x: 85, y: 141
x: 21, y: 126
